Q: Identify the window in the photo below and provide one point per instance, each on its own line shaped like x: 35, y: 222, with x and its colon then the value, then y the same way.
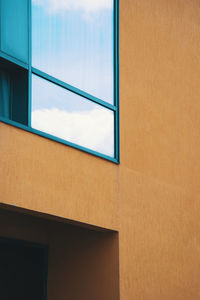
x: 59, y: 71
x: 23, y: 270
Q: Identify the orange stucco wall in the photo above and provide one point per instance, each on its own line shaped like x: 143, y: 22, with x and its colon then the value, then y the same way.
x: 152, y: 198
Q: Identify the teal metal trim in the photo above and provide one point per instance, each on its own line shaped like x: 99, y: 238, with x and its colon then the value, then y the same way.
x: 56, y: 139
x: 73, y: 89
x: 114, y: 49
x: 13, y: 60
x: 0, y: 24
x: 29, y: 96
x: 116, y: 78
x: 29, y: 32
x: 29, y: 60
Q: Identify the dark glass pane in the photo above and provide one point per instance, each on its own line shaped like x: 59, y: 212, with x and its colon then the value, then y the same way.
x: 13, y: 92
x: 73, y: 41
x: 68, y: 116
x: 5, y: 94
x: 22, y: 271
x: 14, y: 28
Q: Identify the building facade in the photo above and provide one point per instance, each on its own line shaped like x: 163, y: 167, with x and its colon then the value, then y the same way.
x: 127, y: 230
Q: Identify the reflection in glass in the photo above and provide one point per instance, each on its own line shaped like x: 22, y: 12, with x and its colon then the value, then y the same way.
x: 5, y: 90
x: 13, y: 92
x: 14, y: 28
x: 68, y: 116
x: 73, y: 41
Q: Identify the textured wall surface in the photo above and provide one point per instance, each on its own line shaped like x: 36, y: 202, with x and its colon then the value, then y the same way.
x: 46, y: 176
x: 152, y: 198
x: 160, y: 147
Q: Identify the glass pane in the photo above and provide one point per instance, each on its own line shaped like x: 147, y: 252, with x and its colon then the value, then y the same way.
x: 22, y: 270
x: 13, y: 92
x: 73, y: 41
x: 68, y: 116
x: 5, y: 94
x: 14, y: 28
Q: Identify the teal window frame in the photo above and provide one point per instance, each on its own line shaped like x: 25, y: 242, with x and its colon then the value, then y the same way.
x: 114, y: 108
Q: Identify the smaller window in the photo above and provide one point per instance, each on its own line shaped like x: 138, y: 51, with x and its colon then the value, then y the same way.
x: 13, y: 92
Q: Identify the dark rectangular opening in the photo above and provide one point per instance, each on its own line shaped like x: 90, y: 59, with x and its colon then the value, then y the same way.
x: 83, y: 261
x: 13, y: 92
x: 23, y: 270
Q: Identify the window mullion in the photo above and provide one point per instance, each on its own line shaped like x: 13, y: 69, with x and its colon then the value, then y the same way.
x: 29, y: 62
x: 73, y: 89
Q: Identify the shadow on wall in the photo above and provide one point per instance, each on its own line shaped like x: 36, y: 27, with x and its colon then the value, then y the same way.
x: 82, y: 262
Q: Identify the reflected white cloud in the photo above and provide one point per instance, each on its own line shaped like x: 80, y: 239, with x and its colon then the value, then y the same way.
x: 84, y: 5
x: 91, y: 129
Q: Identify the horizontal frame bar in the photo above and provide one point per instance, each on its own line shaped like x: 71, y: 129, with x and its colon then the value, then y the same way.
x: 73, y: 89
x: 14, y: 60
x: 56, y: 139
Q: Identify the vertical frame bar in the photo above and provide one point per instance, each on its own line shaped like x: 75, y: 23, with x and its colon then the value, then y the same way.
x: 29, y: 60
x: 114, y: 50
x: 116, y: 77
x: 0, y: 25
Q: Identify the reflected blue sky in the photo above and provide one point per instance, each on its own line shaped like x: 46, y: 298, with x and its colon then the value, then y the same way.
x: 73, y: 41
x: 68, y: 116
